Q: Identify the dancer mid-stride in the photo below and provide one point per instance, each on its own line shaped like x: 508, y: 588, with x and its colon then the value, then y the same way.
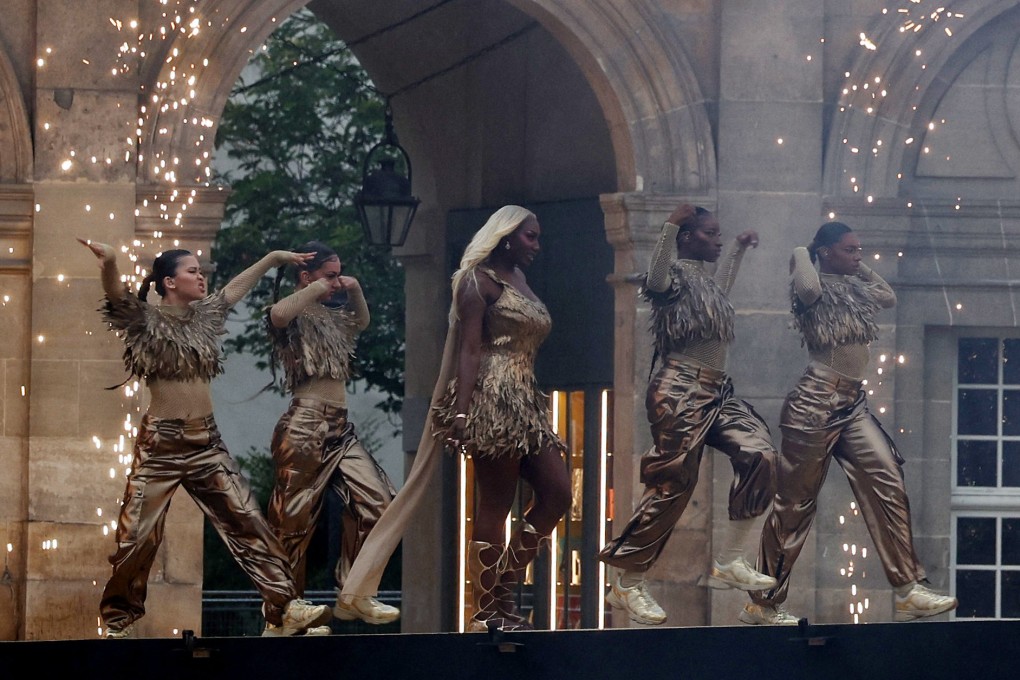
x: 315, y: 447
x: 174, y: 348
x: 691, y: 404
x: 826, y: 416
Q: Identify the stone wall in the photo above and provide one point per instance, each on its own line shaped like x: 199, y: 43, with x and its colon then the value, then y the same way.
x: 756, y: 110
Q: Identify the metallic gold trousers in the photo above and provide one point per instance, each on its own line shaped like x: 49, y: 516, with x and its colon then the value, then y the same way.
x: 826, y: 416
x: 189, y: 453
x: 315, y: 448
x: 691, y: 406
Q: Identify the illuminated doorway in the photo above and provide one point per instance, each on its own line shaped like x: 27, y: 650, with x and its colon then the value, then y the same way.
x: 563, y: 587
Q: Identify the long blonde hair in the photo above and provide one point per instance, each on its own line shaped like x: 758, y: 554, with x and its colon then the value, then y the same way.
x: 501, y: 223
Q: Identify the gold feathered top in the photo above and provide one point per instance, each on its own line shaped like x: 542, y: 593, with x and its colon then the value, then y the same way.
x: 508, y: 413
x: 694, y: 308
x: 166, y: 344
x: 843, y: 315
x: 318, y: 343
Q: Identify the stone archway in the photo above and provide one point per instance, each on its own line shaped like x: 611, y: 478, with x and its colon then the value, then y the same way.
x: 660, y: 130
x: 868, y: 140
x: 15, y: 133
x: 643, y: 82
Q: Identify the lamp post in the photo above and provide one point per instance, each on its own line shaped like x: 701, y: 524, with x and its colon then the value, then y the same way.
x: 385, y: 204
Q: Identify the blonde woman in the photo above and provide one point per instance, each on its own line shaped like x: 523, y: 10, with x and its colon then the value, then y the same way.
x: 487, y: 404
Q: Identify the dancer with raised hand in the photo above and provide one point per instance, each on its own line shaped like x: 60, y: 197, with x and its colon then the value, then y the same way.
x: 826, y: 416
x: 174, y: 348
x: 690, y: 403
x: 486, y: 404
x: 314, y: 445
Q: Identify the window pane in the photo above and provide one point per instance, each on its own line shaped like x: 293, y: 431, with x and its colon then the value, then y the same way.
x: 1011, y: 412
x: 977, y: 411
x: 975, y: 463
x: 1011, y: 361
x: 1011, y: 594
x: 976, y: 592
x: 1011, y: 463
x: 975, y: 540
x: 1011, y: 540
x: 978, y: 361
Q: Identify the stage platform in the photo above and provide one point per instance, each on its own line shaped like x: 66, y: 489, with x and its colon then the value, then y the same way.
x: 900, y: 651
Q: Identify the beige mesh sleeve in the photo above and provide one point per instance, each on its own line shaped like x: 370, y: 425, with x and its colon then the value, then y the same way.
x: 662, y: 259
x: 729, y: 265
x: 110, y: 276
x: 882, y: 291
x: 246, y: 280
x: 288, y: 309
x: 806, y: 283
x: 358, y: 306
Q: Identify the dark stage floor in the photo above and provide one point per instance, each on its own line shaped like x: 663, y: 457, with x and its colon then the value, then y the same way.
x: 900, y: 651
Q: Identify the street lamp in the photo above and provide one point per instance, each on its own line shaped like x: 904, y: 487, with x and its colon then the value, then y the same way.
x: 385, y: 204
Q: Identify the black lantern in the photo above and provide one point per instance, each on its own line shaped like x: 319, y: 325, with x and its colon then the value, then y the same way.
x: 385, y: 204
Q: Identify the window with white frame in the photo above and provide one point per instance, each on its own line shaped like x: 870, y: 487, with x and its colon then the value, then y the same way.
x: 986, y: 478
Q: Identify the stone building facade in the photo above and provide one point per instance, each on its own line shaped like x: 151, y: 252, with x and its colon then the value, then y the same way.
x: 776, y: 114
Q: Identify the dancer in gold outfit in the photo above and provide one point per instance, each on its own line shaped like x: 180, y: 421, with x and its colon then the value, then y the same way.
x: 174, y: 348
x: 314, y: 444
x: 691, y: 404
x: 826, y: 416
x: 486, y: 404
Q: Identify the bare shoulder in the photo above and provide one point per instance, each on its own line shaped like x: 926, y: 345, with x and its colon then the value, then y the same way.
x: 477, y: 292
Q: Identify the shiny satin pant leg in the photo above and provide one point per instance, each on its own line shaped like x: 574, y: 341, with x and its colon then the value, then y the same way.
x: 689, y: 406
x: 315, y: 448
x: 742, y: 435
x: 367, y: 492
x: 827, y: 417
x: 874, y: 469
x: 173, y: 453
x: 306, y: 451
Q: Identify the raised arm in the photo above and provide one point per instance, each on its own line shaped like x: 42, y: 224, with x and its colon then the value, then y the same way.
x: 882, y: 291
x: 664, y: 251
x: 356, y: 301
x: 107, y: 256
x: 239, y: 286
x: 290, y: 307
x: 729, y: 265
x: 806, y: 283
x: 662, y: 259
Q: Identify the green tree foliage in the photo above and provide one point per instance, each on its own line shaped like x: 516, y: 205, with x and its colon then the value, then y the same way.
x: 296, y: 130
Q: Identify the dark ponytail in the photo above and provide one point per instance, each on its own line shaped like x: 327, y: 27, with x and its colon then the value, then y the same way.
x: 163, y: 266
x: 143, y: 292
x: 827, y: 235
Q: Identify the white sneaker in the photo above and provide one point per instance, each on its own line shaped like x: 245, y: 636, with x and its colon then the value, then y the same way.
x: 740, y: 575
x: 300, y: 615
x: 636, y: 601
x: 366, y: 608
x: 119, y: 633
x: 919, y: 602
x: 764, y: 615
x: 312, y: 631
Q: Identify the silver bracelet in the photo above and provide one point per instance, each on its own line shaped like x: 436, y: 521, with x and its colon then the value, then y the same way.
x: 460, y: 415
